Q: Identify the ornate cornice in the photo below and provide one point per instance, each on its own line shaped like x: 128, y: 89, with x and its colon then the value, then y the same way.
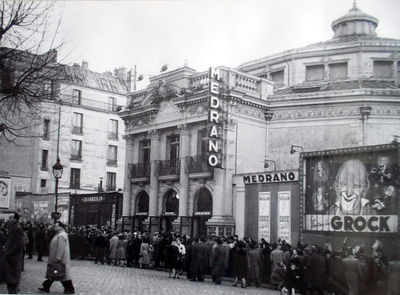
x: 333, y: 112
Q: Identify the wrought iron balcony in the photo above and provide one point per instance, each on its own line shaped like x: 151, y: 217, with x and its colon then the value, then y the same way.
x: 112, y: 162
x: 198, y: 164
x: 169, y: 167
x: 140, y: 170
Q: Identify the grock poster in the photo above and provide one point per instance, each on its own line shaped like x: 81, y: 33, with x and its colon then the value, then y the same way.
x: 264, y: 216
x: 352, y: 191
x: 284, y: 216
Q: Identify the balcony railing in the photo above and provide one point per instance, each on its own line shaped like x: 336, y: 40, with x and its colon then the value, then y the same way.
x: 112, y: 135
x: 110, y: 188
x: 77, y: 130
x: 111, y: 162
x: 169, y: 167
x: 76, y: 157
x: 91, y: 103
x: 140, y: 170
x: 198, y: 164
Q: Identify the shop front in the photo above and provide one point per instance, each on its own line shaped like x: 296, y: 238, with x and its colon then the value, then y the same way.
x: 351, y: 195
x: 270, y: 205
x: 95, y: 209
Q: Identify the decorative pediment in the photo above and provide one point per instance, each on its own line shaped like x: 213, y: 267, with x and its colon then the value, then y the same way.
x: 162, y: 91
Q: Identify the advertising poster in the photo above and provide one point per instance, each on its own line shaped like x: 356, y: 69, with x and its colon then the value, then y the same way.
x: 352, y: 192
x: 264, y: 214
x: 5, y: 193
x: 284, y: 216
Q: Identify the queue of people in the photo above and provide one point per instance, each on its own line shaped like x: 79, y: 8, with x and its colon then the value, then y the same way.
x: 303, y: 269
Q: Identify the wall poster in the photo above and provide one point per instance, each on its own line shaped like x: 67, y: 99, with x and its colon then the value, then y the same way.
x: 264, y: 216
x: 353, y: 190
x: 284, y: 216
x: 5, y: 192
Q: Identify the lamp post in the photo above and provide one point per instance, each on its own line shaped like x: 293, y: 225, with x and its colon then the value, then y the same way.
x: 57, y: 168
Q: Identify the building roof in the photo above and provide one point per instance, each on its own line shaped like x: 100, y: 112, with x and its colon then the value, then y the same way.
x: 84, y: 77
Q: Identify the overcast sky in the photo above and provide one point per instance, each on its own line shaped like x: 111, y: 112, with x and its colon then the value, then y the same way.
x: 110, y: 34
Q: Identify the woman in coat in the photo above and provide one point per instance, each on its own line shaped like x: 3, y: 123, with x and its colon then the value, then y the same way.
x: 240, y: 263
x: 144, y: 254
x: 120, y: 256
x: 217, y: 261
x: 59, y: 252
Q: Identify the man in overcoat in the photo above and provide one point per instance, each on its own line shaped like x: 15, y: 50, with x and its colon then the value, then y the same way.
x: 199, y: 260
x: 59, y: 253
x: 13, y: 253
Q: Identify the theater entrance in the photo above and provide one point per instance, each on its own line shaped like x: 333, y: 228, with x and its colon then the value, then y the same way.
x: 170, y: 211
x: 141, y: 210
x: 202, y: 212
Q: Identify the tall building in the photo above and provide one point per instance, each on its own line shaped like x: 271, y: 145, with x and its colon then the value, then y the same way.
x: 328, y: 98
x: 79, y: 121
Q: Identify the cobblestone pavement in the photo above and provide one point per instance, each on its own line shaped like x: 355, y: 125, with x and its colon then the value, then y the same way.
x: 89, y: 278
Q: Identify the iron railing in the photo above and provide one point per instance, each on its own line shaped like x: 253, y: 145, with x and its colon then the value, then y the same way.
x: 169, y: 167
x: 140, y: 170
x: 198, y: 164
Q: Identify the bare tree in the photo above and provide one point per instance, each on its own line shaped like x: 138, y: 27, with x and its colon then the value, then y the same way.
x: 29, y: 72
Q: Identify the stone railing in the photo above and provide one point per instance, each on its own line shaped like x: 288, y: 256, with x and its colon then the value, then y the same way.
x: 200, y: 81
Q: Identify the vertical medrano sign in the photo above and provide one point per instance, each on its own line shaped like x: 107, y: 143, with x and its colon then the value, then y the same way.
x: 214, y: 119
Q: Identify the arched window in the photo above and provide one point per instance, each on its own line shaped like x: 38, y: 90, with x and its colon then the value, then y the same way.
x: 142, y: 202
x: 203, y: 201
x: 172, y: 202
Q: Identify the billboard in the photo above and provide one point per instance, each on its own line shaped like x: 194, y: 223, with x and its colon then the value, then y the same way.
x: 352, y: 190
x: 5, y: 192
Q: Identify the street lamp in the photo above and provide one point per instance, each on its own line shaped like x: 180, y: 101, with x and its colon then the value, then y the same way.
x: 57, y: 173
x: 294, y: 147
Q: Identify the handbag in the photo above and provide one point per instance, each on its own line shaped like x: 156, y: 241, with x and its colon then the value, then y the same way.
x: 55, y: 271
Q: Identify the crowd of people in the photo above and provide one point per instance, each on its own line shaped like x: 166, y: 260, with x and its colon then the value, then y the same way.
x: 304, y: 269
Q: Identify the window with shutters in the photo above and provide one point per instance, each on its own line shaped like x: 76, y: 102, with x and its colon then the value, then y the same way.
x: 111, y: 181
x: 46, y: 129
x: 75, y: 179
x: 112, y: 155
x: 45, y: 154
x: 113, y: 129
x: 76, y: 150
x: 77, y: 123
x: 76, y: 96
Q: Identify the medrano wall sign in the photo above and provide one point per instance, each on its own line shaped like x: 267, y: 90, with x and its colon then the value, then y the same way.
x: 214, y: 119
x: 283, y: 176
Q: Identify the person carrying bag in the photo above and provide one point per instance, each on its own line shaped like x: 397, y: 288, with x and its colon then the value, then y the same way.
x: 59, y: 262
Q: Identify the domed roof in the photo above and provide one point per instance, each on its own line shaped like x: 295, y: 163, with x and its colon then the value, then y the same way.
x: 355, y: 22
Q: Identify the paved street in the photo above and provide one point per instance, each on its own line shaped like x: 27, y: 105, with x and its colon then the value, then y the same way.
x: 90, y: 278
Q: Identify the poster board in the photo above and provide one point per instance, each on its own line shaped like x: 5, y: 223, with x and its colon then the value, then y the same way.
x: 264, y: 216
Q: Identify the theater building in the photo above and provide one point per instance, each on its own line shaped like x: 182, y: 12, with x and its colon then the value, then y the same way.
x: 187, y: 134
x: 335, y: 95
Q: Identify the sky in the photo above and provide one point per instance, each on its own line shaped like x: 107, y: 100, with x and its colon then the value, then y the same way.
x: 149, y: 34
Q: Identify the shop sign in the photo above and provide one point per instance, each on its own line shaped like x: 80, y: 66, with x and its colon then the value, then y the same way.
x: 214, y: 119
x: 5, y: 192
x: 264, y: 214
x: 284, y: 176
x: 141, y: 213
x: 170, y: 213
x: 93, y: 199
x: 202, y: 213
x: 284, y: 230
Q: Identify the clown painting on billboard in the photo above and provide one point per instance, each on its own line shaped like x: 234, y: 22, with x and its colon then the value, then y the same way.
x: 352, y: 192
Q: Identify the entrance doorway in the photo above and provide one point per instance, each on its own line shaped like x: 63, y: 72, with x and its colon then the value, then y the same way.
x: 170, y: 210
x: 202, y: 212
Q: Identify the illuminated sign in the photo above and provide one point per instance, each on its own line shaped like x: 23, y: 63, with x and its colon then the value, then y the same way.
x: 284, y: 176
x: 202, y: 213
x: 214, y: 120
